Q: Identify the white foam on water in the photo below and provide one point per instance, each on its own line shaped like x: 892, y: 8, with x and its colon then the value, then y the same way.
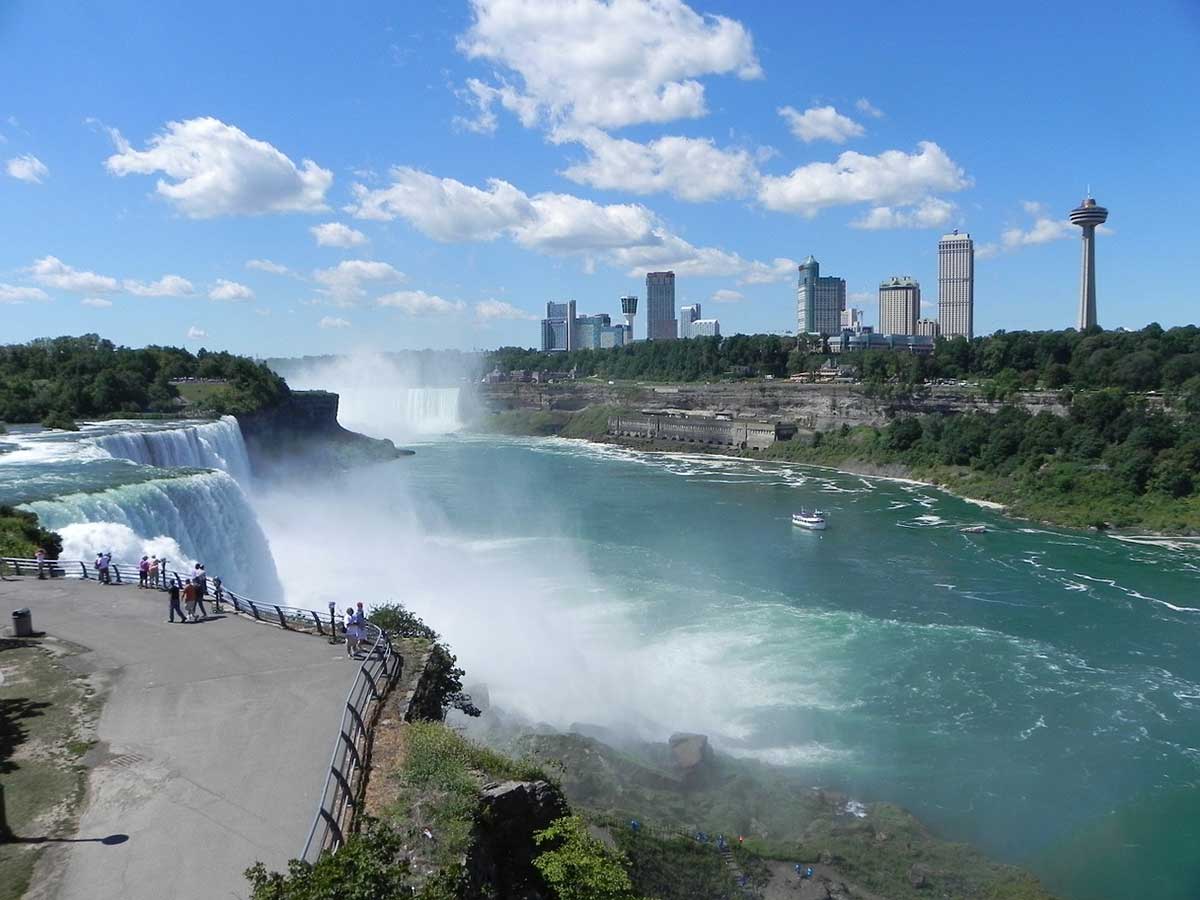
x: 83, y: 540
x: 213, y: 445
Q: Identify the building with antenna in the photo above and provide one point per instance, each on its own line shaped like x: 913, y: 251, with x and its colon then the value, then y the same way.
x: 1087, y: 215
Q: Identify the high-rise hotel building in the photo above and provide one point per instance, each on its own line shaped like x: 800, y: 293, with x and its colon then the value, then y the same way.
x: 660, y: 306
x: 899, y: 305
x: 956, y: 285
x: 819, y: 301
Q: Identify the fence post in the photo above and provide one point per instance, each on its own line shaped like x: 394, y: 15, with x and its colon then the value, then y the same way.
x: 282, y: 621
x: 117, y: 570
x: 317, y: 619
x: 83, y: 566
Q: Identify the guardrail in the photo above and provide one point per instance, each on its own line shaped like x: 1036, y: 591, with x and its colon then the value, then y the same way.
x: 345, y: 781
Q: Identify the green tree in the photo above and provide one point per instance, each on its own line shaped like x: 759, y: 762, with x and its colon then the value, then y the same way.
x: 578, y: 866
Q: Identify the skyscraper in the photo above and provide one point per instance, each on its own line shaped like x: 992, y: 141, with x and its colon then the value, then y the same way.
x: 660, y: 306
x: 558, y: 328
x: 1087, y: 215
x: 956, y: 285
x: 899, y: 305
x: 588, y: 330
x: 688, y: 315
x: 819, y: 301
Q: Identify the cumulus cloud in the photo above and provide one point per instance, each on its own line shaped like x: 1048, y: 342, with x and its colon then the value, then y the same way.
x: 725, y: 295
x: 419, y: 303
x: 53, y: 272
x: 167, y: 286
x: 14, y: 293
x: 693, y: 169
x: 867, y: 108
x: 333, y: 322
x: 95, y: 302
x: 891, y: 178
x: 346, y: 282
x: 779, y: 269
x: 27, y: 168
x: 212, y: 169
x: 821, y: 123
x: 230, y: 291
x: 628, y: 236
x: 1044, y: 230
x: 335, y: 234
x: 487, y: 310
x: 931, y: 212
x: 196, y: 333
x: 265, y: 265
x: 593, y: 62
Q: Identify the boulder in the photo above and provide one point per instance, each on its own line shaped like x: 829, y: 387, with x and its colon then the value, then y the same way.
x: 918, y: 875
x: 500, y: 862
x: 690, y: 751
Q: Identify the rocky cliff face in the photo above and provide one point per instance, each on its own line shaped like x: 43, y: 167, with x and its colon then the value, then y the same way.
x: 810, y: 406
x: 500, y: 862
x: 304, y: 428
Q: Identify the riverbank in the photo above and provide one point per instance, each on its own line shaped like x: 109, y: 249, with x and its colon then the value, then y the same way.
x: 1063, y: 494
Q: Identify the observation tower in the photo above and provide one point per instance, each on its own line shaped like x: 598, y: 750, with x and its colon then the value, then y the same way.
x: 629, y: 307
x: 1087, y: 216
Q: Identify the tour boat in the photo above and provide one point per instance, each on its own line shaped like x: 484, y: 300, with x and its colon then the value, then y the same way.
x: 973, y: 529
x: 814, y: 520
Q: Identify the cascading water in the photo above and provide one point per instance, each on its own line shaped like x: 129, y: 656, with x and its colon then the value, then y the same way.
x: 207, y: 515
x: 432, y: 410
x: 215, y: 445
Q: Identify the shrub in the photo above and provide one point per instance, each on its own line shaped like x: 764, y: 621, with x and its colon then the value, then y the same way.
x: 578, y: 866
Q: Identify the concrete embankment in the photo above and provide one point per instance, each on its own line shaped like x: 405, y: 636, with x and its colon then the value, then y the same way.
x: 213, y: 744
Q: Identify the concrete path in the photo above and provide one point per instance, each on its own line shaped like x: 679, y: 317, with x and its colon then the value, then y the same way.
x: 214, y: 743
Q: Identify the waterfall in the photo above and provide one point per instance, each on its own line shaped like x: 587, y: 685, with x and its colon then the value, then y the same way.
x: 214, y: 445
x: 206, y: 514
x: 432, y: 410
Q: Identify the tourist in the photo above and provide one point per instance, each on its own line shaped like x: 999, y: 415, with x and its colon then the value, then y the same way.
x: 218, y: 593
x: 200, y: 584
x: 174, y: 595
x: 189, y: 599
x: 153, y: 573
x: 143, y: 573
x: 40, y: 556
x: 96, y: 566
x: 360, y: 619
x: 105, y: 560
x: 353, y: 634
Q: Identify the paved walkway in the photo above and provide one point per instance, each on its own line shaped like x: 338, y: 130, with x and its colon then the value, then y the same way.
x: 215, y: 739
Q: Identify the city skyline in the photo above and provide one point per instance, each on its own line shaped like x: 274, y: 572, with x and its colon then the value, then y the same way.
x: 316, y: 189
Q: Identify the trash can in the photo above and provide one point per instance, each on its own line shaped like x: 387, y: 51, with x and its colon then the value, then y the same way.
x: 22, y: 623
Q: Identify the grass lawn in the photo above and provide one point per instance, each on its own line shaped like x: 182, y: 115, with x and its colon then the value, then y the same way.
x: 198, y: 394
x: 46, y: 722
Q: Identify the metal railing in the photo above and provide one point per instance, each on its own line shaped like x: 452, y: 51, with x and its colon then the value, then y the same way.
x: 345, y: 779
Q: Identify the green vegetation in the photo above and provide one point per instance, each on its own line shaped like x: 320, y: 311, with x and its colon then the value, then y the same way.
x: 20, y: 535
x: 59, y: 380
x: 1113, y: 461
x: 447, y: 686
x: 589, y: 423
x: 675, y: 867
x: 1146, y: 360
x: 46, y: 715
x: 580, y: 867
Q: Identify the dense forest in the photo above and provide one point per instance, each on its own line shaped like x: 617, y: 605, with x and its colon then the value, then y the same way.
x: 56, y: 380
x: 1150, y: 359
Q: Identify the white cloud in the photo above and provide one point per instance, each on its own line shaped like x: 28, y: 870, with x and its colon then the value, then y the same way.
x: 821, y: 123
x: 419, y: 303
x: 335, y: 234
x: 262, y: 311
x: 564, y: 223
x: 333, y: 322
x: 692, y: 169
x: 231, y: 291
x: 1044, y: 230
x: 442, y: 208
x: 95, y: 302
x: 14, y: 293
x: 601, y: 63
x: 53, y: 272
x: 725, y: 295
x: 866, y: 107
x: 195, y: 333
x: 345, y: 283
x: 892, y: 177
x: 27, y: 168
x: 932, y: 212
x: 488, y: 310
x: 217, y: 169
x: 779, y: 269
x: 265, y: 265
x: 167, y: 286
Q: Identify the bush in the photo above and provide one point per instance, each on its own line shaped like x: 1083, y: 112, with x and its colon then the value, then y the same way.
x: 60, y: 421
x: 578, y: 866
x: 398, y: 621
x: 21, y: 535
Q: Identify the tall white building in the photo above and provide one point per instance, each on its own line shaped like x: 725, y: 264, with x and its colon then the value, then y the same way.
x: 819, y: 301
x: 706, y: 328
x: 688, y: 315
x: 928, y: 328
x: 899, y: 305
x: 956, y: 285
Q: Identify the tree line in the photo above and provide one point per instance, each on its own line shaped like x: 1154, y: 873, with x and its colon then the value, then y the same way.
x: 57, y: 380
x: 1151, y: 359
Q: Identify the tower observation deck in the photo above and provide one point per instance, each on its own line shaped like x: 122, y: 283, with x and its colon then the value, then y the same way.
x: 1087, y: 216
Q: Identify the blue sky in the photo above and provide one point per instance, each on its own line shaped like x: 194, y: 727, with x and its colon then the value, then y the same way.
x: 309, y: 177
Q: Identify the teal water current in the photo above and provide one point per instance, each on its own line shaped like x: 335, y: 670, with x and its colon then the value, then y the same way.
x: 1033, y: 691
